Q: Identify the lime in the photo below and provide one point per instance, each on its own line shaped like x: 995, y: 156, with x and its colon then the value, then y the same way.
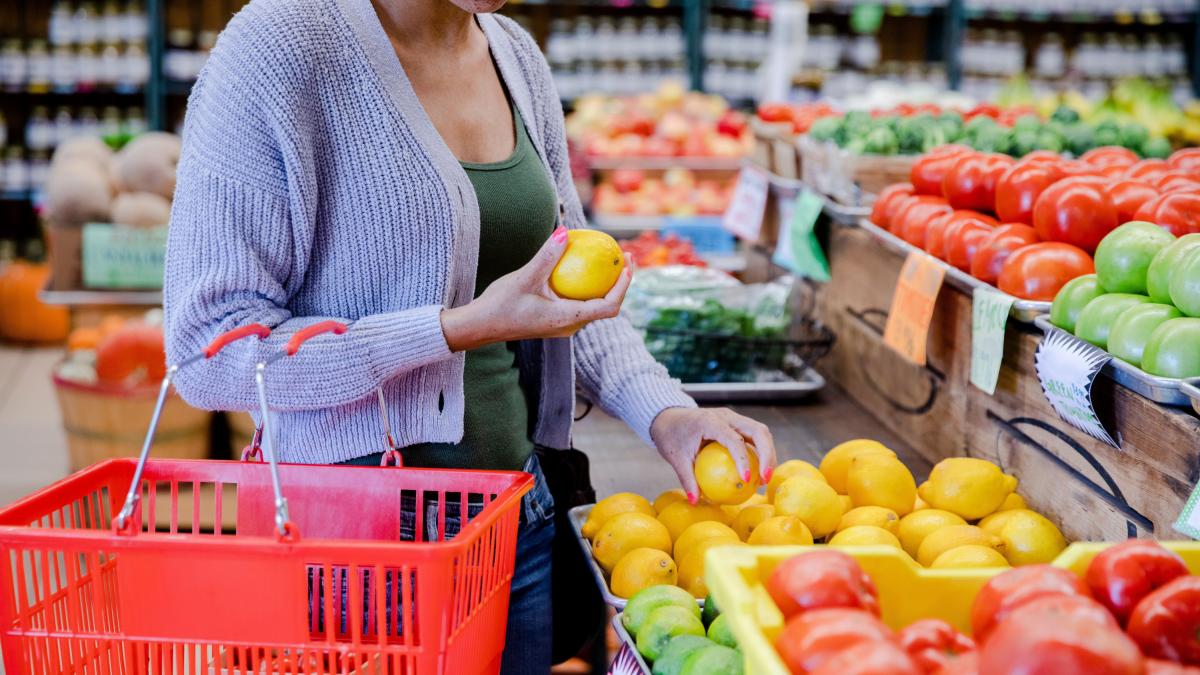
x: 649, y: 599
x: 710, y: 610
x: 670, y: 662
x: 663, y: 624
x: 715, y: 660
x: 721, y: 633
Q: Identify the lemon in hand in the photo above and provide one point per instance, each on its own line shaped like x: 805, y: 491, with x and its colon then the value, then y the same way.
x: 625, y: 532
x: 589, y: 267
x: 881, y: 480
x: 876, y: 516
x: 792, y: 467
x: 970, y: 555
x: 781, y: 531
x: 717, y: 475
x: 836, y: 463
x: 642, y: 568
x: 1029, y: 538
x: 919, y: 524
x: 942, y: 540
x: 864, y: 535
x: 811, y: 501
x: 970, y: 487
x: 622, y: 502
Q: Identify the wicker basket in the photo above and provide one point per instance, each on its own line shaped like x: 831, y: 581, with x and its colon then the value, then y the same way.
x: 106, y: 422
x: 849, y: 178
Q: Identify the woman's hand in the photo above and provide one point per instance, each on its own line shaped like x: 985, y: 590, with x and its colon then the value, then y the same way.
x: 679, y: 434
x: 521, y: 306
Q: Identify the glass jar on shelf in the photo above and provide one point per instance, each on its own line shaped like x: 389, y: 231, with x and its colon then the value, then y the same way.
x: 39, y: 168
x: 88, y: 124
x: 39, y: 67
x: 63, y: 70
x: 135, y: 27
x: 16, y: 170
x: 39, y: 132
x: 61, y: 29
x: 111, y: 22
x: 134, y: 122
x: 87, y: 67
x: 135, y: 68
x: 110, y: 121
x: 13, y: 65
x: 63, y: 128
x: 87, y: 23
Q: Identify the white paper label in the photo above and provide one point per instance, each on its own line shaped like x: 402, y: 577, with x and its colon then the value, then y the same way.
x: 989, y: 318
x: 1067, y: 368
x: 744, y: 217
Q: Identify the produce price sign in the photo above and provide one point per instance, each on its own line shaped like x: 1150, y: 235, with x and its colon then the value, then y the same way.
x: 908, y: 321
x: 798, y: 250
x: 989, y: 317
x: 1189, y: 521
x: 744, y: 217
x: 1067, y: 370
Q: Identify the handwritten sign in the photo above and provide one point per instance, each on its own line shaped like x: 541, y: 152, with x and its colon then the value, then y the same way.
x: 989, y: 318
x: 744, y: 217
x: 907, y: 329
x: 123, y: 256
x: 1067, y: 368
x: 798, y: 250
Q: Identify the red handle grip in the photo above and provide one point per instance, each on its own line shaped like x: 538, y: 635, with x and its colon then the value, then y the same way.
x: 305, y: 334
x: 233, y: 336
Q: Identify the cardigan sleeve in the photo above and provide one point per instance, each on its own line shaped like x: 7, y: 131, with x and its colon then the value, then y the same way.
x: 612, y: 365
x: 238, y: 250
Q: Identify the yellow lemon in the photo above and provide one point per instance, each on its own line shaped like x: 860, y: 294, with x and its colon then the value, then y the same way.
x: 1029, y: 539
x: 836, y: 463
x: 919, y: 503
x: 993, y: 523
x: 846, y: 502
x: 812, y: 501
x: 625, y: 532
x: 917, y: 525
x: 667, y: 498
x: 781, y: 531
x: 589, y: 266
x: 681, y: 515
x: 694, y: 534
x: 718, y: 478
x: 641, y: 568
x: 871, y: 515
x: 732, y: 510
x: 1011, y: 502
x: 751, y: 517
x: 864, y: 535
x: 941, y: 540
x: 691, y: 568
x: 970, y: 555
x: 881, y: 480
x: 622, y: 502
x: 792, y: 467
x: 970, y: 487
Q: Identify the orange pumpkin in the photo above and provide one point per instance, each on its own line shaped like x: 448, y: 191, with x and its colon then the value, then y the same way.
x: 23, y: 317
x: 132, y: 355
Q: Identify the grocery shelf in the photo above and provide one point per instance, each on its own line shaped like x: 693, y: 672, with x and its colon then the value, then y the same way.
x: 598, y: 163
x: 95, y: 298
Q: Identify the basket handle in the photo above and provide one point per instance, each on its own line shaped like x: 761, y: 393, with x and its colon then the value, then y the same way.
x: 285, y: 529
x: 122, y: 523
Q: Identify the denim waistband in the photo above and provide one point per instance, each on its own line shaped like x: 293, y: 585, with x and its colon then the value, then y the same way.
x: 538, y: 504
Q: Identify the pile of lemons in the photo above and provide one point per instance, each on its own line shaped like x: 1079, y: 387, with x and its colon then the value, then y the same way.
x: 967, y: 514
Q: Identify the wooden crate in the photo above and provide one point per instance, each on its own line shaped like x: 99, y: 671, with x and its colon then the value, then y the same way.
x: 1094, y: 491
x: 775, y: 148
x: 849, y: 178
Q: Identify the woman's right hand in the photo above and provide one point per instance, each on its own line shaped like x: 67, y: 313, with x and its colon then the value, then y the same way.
x: 520, y: 305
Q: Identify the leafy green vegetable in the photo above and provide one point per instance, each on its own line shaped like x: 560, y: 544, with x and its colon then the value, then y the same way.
x: 1134, y: 136
x: 1080, y: 138
x: 1156, y: 147
x: 703, y: 345
x: 1065, y: 114
x: 1048, y: 139
x: 825, y: 129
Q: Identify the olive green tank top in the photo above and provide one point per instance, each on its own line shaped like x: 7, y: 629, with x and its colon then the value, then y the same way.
x: 517, y: 212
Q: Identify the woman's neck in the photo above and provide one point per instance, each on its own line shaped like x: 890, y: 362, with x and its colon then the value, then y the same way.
x: 426, y: 24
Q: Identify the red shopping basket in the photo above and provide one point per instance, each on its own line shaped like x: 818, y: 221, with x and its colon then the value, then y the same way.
x: 362, y: 571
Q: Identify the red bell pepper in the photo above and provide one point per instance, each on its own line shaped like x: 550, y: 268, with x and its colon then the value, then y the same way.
x: 1166, y: 623
x: 1120, y: 576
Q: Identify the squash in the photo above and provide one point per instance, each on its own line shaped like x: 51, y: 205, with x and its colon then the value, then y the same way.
x: 132, y: 355
x: 23, y: 317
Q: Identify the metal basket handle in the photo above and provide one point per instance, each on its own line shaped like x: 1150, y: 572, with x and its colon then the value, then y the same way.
x: 122, y: 522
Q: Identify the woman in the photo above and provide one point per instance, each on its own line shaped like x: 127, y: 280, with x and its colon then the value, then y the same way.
x: 401, y: 165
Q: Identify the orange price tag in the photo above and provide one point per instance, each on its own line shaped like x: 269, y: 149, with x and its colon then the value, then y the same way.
x: 912, y: 306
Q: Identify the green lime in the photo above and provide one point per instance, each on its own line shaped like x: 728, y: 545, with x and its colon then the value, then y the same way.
x: 651, y: 598
x: 715, y: 660
x: 720, y: 632
x: 670, y: 662
x: 710, y: 611
x: 663, y: 624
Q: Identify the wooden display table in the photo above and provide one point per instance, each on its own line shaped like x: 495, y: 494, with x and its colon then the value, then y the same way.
x: 1094, y: 491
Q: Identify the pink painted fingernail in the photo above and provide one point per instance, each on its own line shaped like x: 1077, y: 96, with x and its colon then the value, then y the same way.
x: 560, y: 235
x: 746, y: 476
x: 767, y: 474
x: 691, y: 499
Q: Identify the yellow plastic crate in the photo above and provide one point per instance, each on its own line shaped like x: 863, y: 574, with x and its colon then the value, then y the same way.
x: 907, y: 591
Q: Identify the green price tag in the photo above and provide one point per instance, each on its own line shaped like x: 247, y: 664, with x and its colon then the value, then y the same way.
x: 989, y: 317
x: 122, y: 256
x: 798, y: 250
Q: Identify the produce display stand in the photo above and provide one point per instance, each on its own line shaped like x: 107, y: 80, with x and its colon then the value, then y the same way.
x: 907, y: 592
x: 1164, y: 390
x: 1192, y: 391
x: 849, y: 178
x: 628, y: 660
x: 1094, y: 491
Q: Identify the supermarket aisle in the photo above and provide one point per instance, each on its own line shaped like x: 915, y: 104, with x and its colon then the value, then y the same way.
x: 33, y: 448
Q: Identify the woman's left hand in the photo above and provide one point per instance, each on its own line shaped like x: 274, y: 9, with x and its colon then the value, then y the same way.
x: 679, y: 433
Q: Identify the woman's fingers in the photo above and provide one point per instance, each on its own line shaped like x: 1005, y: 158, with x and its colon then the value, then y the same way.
x: 683, y: 465
x: 719, y: 430
x: 760, y: 435
x: 537, y: 271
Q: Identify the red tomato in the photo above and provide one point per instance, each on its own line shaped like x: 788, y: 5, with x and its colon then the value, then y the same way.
x: 1041, y: 157
x: 1177, y: 184
x: 821, y: 579
x: 1076, y: 211
x: 1166, y: 623
x: 1157, y: 667
x: 775, y: 112
x: 963, y: 240
x: 869, y: 658
x: 933, y: 643
x: 967, y: 664
x: 887, y: 200
x: 1148, y: 170
x: 997, y: 246
x: 1179, y: 212
x: 1187, y: 159
x: 1058, y: 645
x: 814, y: 637
x: 1058, y: 606
x: 1121, y: 575
x: 1005, y: 592
x: 913, y: 216
x: 928, y: 171
x: 949, y: 149
x: 971, y: 181
x: 1019, y: 187
x: 1109, y: 155
x: 1128, y: 196
x: 935, y: 234
x: 987, y: 109
x: 1038, y: 271
x: 1111, y: 171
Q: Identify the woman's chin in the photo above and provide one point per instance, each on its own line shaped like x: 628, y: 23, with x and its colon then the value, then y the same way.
x: 479, y: 6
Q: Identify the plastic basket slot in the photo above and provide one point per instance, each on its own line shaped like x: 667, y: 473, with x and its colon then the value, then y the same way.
x: 347, y: 604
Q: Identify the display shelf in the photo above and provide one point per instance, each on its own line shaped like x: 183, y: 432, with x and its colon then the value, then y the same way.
x: 99, y: 298
x: 597, y: 163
